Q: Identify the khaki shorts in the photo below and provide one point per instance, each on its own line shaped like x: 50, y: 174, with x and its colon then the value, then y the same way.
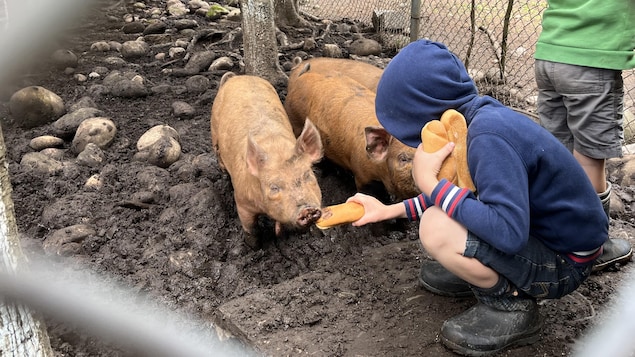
x: 582, y: 107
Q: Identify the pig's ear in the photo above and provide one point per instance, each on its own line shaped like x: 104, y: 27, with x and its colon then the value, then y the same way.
x: 309, y: 141
x: 377, y: 140
x: 256, y: 157
x: 305, y: 69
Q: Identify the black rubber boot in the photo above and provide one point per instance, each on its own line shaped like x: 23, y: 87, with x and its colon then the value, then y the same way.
x: 483, y: 330
x: 436, y: 279
x: 496, y: 322
x: 615, y: 250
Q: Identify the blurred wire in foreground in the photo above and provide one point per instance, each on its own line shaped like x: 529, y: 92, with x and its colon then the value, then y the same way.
x: 27, y: 25
x: 83, y: 299
x: 613, y: 335
x: 115, y: 314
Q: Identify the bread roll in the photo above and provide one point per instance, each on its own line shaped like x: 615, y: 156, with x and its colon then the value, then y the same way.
x: 347, y: 212
x: 434, y: 136
x: 456, y: 128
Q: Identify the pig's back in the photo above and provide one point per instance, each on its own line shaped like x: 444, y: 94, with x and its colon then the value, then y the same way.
x: 247, y: 105
x: 366, y: 74
x: 340, y: 108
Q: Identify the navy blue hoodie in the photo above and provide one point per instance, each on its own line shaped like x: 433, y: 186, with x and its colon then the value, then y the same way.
x: 526, y: 181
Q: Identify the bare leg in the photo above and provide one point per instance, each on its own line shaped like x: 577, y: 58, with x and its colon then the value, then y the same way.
x: 444, y: 239
x: 595, y: 170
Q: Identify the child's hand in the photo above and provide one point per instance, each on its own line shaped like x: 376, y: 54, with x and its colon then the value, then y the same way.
x: 374, y: 210
x: 426, y: 166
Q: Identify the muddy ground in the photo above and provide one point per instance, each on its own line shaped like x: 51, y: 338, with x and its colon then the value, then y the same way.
x: 340, y: 292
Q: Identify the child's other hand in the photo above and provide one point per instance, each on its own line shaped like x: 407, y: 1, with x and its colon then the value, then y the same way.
x: 426, y: 166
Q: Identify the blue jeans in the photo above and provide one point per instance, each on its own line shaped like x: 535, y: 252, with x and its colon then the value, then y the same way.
x: 536, y: 271
x: 583, y: 107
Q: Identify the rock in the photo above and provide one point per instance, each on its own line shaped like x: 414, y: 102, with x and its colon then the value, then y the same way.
x: 199, y: 61
x: 67, y: 125
x: 176, y: 8
x: 98, y: 90
x: 133, y: 27
x: 129, y: 89
x: 127, y: 85
x: 101, y: 70
x: 155, y: 27
x: 154, y: 179
x: 149, y: 137
x: 234, y: 14
x: 182, y: 110
x: 80, y: 77
x: 181, y: 42
x: 45, y: 141
x: 365, y: 47
x: 91, y: 156
x: 101, y: 46
x: 67, y: 241
x: 114, y: 45
x: 100, y: 131
x: 176, y: 52
x: 159, y: 146
x: 178, y: 89
x: 183, y: 169
x: 207, y: 165
x: 161, y: 88
x: 224, y: 63
x: 64, y: 58
x: 198, y: 4
x: 94, y: 182
x: 134, y: 49
x: 144, y: 197
x: 621, y: 171
x: 309, y: 44
x: 40, y: 164
x: 114, y: 62
x: 197, y: 84
x: 83, y: 102
x: 34, y: 106
x: 181, y: 24
x: 332, y: 50
x: 54, y: 153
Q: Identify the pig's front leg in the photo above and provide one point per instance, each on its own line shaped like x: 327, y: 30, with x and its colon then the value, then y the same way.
x: 248, y: 221
x: 278, y: 229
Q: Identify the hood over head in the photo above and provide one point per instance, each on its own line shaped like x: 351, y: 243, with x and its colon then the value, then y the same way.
x: 420, y: 83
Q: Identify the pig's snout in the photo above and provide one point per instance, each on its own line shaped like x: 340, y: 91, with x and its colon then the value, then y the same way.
x: 308, y: 215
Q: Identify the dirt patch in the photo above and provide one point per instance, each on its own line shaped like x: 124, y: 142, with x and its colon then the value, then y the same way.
x: 340, y: 292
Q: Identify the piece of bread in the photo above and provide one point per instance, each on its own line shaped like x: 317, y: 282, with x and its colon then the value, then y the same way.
x: 342, y: 213
x: 434, y: 136
x: 456, y: 127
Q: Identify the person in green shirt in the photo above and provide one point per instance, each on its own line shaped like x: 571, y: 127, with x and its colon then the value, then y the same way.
x: 580, y: 54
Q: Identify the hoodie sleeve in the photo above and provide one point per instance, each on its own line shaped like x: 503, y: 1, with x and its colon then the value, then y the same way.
x: 500, y: 214
x: 416, y: 206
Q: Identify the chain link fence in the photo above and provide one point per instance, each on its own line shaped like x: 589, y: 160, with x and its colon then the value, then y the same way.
x: 495, y: 39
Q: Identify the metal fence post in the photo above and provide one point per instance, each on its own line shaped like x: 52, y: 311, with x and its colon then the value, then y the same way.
x: 415, y: 19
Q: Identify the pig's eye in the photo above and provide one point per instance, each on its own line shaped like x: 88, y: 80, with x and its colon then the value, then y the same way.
x: 404, y: 159
x: 274, y: 189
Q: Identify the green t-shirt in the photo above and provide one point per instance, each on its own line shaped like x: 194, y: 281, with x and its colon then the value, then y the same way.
x: 593, y: 33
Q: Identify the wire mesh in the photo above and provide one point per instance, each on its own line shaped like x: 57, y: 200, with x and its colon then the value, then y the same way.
x: 495, y: 39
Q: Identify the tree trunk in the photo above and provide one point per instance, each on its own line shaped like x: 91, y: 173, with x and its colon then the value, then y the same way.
x: 22, y: 333
x: 288, y: 14
x: 259, y: 41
